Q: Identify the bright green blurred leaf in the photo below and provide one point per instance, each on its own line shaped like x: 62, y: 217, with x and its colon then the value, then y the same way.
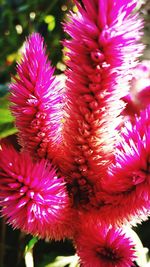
x: 28, y: 253
x: 4, y: 102
x: 31, y: 244
x: 5, y: 116
x: 6, y: 119
x: 50, y: 20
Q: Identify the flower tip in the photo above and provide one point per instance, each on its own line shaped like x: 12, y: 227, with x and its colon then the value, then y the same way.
x: 32, y: 198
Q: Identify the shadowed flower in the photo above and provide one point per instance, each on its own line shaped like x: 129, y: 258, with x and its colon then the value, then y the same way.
x: 128, y: 181
x: 103, y: 35
x: 32, y: 198
x: 36, y: 101
x: 102, y: 246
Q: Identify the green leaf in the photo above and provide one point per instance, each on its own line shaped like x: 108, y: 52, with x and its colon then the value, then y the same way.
x: 31, y: 244
x: 5, y: 116
x: 6, y: 119
x: 7, y: 129
x: 4, y: 102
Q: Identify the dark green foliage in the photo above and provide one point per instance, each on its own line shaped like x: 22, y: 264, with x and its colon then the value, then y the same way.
x: 19, y: 18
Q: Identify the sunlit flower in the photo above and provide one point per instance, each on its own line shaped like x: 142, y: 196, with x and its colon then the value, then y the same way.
x: 105, y: 167
x: 103, y: 36
x: 36, y: 101
x: 32, y: 198
x: 128, y: 181
x: 102, y: 246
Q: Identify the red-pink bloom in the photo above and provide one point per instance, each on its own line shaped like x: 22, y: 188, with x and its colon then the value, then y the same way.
x: 127, y: 186
x: 103, y: 246
x: 103, y: 36
x: 32, y: 198
x: 36, y: 101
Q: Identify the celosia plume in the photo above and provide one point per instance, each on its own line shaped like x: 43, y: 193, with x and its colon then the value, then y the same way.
x: 103, y: 246
x: 105, y: 167
x: 103, y: 35
x: 128, y: 178
x: 32, y: 198
x: 36, y: 101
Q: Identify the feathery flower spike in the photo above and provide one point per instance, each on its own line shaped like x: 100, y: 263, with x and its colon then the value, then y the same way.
x: 128, y: 181
x: 102, y: 181
x: 103, y: 36
x: 104, y: 246
x: 32, y: 198
x: 36, y: 101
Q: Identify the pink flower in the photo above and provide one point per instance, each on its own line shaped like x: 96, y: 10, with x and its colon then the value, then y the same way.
x: 103, y: 35
x: 103, y: 246
x: 105, y: 167
x: 32, y: 198
x: 36, y: 101
x: 127, y: 184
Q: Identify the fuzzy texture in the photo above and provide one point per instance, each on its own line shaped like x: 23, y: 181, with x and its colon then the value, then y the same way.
x: 32, y: 198
x: 36, y: 101
x: 103, y: 35
x: 104, y: 182
x: 127, y: 184
x: 103, y: 246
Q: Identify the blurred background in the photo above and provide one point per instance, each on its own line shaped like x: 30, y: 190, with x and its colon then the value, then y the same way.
x: 19, y: 18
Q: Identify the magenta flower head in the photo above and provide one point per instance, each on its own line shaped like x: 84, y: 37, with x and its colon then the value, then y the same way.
x: 36, y: 101
x: 32, y: 198
x: 103, y: 36
x: 105, y: 166
x: 103, y: 246
x: 128, y: 181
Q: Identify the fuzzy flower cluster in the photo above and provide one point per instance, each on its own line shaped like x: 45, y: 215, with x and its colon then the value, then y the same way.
x: 83, y: 168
